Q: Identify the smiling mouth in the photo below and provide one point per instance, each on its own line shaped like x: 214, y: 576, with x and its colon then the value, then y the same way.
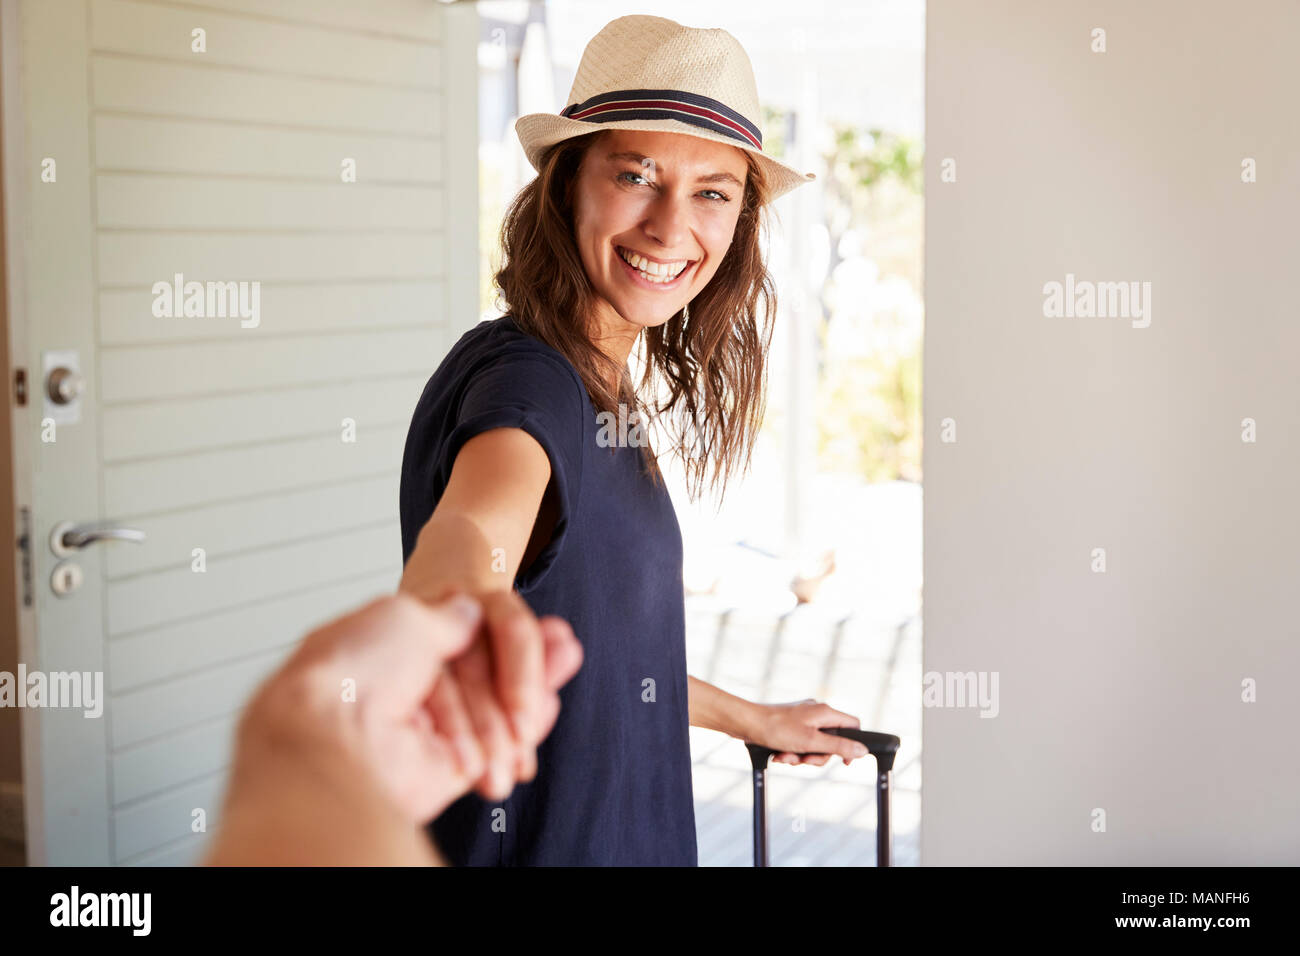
x: 648, y: 270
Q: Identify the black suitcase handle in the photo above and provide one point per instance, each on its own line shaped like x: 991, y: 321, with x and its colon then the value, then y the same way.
x: 883, y: 747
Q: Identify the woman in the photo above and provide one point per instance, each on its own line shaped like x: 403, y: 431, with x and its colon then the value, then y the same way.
x: 525, y: 464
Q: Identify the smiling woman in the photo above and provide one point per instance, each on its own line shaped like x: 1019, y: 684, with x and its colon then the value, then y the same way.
x: 631, y: 232
x: 657, y: 271
x: 627, y: 200
x: 644, y: 221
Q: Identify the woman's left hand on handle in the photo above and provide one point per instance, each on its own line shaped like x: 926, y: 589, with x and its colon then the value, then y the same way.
x: 793, y: 731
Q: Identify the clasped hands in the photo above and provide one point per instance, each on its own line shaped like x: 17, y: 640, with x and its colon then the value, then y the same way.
x: 426, y: 700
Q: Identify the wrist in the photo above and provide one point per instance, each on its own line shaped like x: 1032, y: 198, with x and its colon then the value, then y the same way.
x: 745, y: 720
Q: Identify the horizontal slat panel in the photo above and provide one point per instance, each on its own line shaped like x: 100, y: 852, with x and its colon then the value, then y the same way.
x: 225, y: 166
x: 218, y: 93
x: 189, y: 851
x: 126, y: 316
x: 169, y: 202
x: 233, y: 40
x: 195, y: 146
x: 154, y: 486
x: 414, y: 18
x: 228, y: 635
x: 173, y: 760
x: 225, y: 529
x: 184, y: 703
x: 181, y: 426
x: 247, y: 577
x: 167, y: 818
x: 127, y: 258
x: 137, y: 373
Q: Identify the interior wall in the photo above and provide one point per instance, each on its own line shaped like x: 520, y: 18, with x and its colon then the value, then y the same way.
x: 1104, y: 535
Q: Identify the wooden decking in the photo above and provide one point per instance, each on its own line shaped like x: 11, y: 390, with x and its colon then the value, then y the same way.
x: 817, y: 816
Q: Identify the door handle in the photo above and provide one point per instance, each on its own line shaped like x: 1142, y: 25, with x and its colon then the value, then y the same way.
x: 68, y: 537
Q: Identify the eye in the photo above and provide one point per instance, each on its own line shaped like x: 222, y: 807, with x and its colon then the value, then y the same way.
x: 721, y: 197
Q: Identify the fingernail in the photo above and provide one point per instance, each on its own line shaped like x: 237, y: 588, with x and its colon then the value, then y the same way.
x: 464, y: 607
x: 860, y: 750
x: 501, y: 779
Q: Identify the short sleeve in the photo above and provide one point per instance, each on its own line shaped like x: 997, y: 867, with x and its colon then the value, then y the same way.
x: 544, y: 396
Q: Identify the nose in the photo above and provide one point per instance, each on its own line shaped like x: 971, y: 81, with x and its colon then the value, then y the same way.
x: 668, y: 220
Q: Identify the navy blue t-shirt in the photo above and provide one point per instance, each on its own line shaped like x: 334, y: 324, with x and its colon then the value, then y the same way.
x: 613, y: 784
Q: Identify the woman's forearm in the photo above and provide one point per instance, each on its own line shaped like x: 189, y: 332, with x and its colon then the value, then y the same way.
x: 714, y: 709
x: 477, y: 536
x: 452, y: 553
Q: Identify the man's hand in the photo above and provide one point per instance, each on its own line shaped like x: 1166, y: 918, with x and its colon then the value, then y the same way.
x: 361, y: 737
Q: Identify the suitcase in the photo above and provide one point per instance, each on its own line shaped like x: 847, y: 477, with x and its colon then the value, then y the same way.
x: 883, y: 747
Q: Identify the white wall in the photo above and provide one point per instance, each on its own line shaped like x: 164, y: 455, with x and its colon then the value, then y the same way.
x: 1118, y: 690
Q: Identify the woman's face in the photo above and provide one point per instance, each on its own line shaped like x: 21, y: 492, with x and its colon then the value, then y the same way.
x: 670, y: 199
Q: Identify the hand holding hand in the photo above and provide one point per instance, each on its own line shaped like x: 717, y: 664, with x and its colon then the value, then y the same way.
x: 501, y: 701
x: 393, y: 688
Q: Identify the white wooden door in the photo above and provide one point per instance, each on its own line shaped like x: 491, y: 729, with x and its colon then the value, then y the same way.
x: 130, y: 156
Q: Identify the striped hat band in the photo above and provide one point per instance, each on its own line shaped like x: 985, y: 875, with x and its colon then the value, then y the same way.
x: 646, y: 74
x: 692, y: 108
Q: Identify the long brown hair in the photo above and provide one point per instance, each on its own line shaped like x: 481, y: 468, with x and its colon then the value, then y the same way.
x: 705, y: 367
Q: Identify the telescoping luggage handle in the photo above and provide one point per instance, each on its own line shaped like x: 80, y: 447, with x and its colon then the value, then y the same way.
x: 881, y: 746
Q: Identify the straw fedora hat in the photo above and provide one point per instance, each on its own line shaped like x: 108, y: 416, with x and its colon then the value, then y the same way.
x: 652, y: 73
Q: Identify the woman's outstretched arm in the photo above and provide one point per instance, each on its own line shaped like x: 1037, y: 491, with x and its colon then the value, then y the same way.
x: 490, y: 516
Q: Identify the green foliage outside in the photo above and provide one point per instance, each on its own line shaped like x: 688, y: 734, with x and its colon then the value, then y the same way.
x: 869, y: 396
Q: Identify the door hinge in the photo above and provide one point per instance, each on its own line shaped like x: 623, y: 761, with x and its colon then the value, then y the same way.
x: 20, y: 386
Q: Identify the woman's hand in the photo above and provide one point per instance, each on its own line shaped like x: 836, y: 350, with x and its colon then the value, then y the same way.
x: 791, y: 729
x: 500, y: 697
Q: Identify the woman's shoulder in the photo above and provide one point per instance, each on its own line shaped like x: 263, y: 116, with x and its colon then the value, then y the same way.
x: 500, y: 343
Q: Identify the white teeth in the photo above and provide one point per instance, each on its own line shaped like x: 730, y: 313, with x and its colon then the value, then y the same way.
x: 660, y: 272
